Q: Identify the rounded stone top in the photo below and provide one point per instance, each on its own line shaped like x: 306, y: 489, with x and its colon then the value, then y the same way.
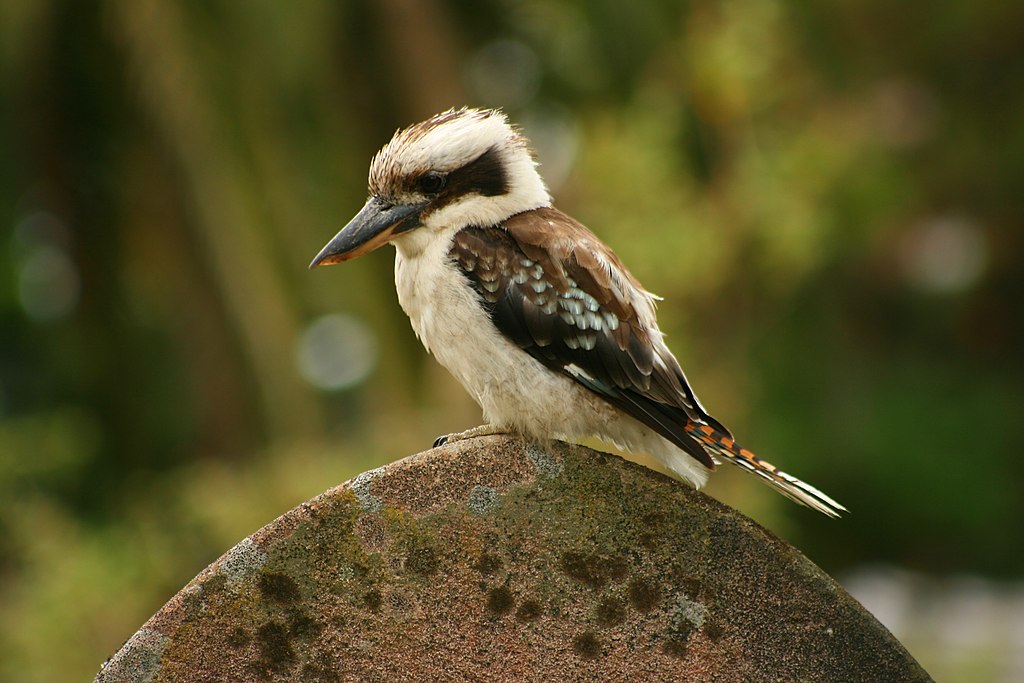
x: 494, y: 559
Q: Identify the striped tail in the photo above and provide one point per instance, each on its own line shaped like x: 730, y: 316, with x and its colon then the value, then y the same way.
x: 719, y: 444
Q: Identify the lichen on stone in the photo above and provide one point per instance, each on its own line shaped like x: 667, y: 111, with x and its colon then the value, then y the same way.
x: 482, y: 499
x: 243, y: 560
x: 361, y: 487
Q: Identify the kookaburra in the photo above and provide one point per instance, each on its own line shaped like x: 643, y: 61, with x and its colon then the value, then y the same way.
x: 541, y: 323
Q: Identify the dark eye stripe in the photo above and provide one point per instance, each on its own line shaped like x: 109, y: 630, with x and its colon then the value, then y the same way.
x: 485, y: 176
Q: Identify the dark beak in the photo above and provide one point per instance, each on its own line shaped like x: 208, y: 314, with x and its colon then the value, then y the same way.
x: 373, y: 226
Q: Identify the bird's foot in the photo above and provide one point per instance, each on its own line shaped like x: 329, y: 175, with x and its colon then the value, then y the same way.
x: 482, y: 430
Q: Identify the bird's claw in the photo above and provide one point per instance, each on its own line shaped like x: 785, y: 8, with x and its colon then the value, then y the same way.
x: 482, y: 430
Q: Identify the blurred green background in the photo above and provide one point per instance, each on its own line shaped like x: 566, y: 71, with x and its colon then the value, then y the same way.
x: 828, y: 195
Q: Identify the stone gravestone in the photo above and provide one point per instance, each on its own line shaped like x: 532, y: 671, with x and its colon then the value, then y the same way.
x: 492, y: 559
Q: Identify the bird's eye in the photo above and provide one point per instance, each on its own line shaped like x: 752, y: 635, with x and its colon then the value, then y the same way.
x: 432, y: 183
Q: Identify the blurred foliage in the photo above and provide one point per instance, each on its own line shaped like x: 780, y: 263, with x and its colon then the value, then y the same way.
x: 827, y: 195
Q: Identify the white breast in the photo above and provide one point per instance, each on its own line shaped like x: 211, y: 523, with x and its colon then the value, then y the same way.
x: 514, y: 390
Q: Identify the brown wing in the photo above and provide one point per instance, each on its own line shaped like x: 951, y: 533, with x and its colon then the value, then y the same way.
x: 563, y: 297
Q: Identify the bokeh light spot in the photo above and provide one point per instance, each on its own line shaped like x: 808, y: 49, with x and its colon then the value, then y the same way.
x: 335, y: 352
x: 944, y: 255
x: 48, y: 284
x: 555, y: 135
x: 504, y: 73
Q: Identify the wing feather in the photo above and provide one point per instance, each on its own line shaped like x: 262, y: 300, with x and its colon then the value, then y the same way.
x: 563, y: 297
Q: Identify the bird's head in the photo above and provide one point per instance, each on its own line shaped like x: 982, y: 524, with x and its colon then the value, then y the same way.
x: 459, y: 168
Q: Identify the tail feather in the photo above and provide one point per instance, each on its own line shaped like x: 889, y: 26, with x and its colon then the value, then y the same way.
x: 724, y: 447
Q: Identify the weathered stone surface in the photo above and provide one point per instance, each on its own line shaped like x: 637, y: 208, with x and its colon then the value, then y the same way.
x: 491, y: 559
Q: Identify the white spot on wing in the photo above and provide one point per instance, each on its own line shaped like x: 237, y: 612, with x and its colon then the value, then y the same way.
x: 574, y: 307
x: 577, y: 371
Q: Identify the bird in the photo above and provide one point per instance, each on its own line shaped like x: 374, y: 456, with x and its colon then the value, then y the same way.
x: 533, y: 315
